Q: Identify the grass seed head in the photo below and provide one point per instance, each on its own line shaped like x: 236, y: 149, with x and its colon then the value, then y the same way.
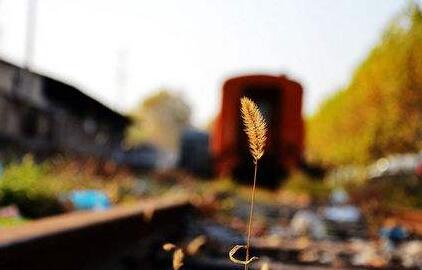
x: 255, y: 127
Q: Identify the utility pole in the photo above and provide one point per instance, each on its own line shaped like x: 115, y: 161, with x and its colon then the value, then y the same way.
x: 1, y: 27
x: 31, y: 14
x: 121, y: 77
x: 29, y: 39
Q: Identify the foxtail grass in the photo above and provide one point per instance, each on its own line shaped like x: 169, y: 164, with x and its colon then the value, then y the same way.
x: 256, y: 131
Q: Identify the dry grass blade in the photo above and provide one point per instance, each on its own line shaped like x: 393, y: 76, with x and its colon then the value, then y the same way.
x: 256, y: 130
x: 169, y: 246
x: 194, y: 245
x: 255, y: 127
x: 233, y: 251
x: 178, y: 259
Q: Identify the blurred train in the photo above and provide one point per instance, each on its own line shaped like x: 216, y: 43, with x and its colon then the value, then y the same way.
x: 225, y: 150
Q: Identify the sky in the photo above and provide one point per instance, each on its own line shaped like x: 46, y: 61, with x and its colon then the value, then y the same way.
x: 119, y: 52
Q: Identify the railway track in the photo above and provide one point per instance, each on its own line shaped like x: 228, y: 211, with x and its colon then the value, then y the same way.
x: 130, y: 237
x: 94, y: 240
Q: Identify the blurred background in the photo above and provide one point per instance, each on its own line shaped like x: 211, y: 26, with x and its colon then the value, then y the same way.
x: 120, y: 131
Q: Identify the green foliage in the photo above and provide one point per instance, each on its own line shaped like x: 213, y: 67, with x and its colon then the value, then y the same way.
x: 39, y: 189
x: 380, y: 111
x: 26, y: 184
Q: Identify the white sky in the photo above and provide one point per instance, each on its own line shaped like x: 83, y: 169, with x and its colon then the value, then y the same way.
x: 121, y: 51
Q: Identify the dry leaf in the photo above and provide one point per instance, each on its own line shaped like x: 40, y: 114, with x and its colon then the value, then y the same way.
x: 233, y: 259
x: 178, y: 259
x: 265, y: 266
x: 196, y: 244
x: 169, y: 246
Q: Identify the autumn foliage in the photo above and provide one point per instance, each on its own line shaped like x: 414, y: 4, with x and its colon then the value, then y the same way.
x: 380, y: 111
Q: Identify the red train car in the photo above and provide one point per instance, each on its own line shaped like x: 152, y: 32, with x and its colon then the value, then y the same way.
x: 280, y: 101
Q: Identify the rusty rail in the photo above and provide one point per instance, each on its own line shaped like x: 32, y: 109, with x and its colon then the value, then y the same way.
x: 90, y: 240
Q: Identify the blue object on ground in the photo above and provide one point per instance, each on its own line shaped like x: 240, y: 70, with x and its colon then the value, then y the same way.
x: 345, y: 213
x: 89, y: 200
x: 394, y: 235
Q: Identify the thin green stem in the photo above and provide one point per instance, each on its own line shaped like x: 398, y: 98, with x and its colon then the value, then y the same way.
x: 251, y: 214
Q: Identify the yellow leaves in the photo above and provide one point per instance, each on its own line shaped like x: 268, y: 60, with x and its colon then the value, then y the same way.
x: 379, y: 111
x: 233, y: 251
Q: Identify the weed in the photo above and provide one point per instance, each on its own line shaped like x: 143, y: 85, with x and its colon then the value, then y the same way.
x: 255, y: 129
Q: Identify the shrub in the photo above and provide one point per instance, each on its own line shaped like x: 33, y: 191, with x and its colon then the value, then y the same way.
x: 27, y: 185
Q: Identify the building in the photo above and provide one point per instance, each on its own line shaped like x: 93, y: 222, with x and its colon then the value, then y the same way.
x: 42, y: 115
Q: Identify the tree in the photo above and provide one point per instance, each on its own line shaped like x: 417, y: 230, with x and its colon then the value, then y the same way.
x: 380, y: 111
x: 160, y: 119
